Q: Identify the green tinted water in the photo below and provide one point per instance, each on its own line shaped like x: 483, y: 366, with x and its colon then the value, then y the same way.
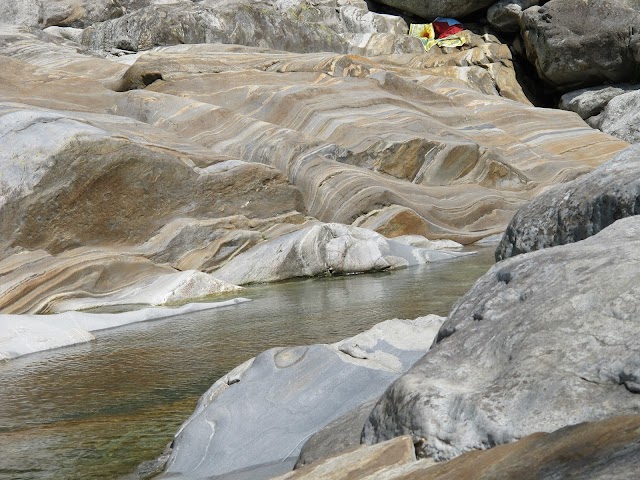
x: 99, y: 409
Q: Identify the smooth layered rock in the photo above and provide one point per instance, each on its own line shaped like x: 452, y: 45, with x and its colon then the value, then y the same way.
x: 542, y: 341
x: 25, y: 334
x: 197, y: 153
x: 277, y: 400
x: 294, y: 26
x: 325, y: 249
x: 609, y: 449
x: 334, y: 125
x: 168, y: 289
x: 575, y: 43
x: 65, y: 13
x: 574, y: 211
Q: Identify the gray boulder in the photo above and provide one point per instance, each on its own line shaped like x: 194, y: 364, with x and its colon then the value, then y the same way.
x: 621, y: 117
x: 254, y: 420
x: 574, y: 43
x: 542, y: 341
x: 591, y: 101
x: 576, y: 210
x: 340, y: 435
x: 438, y: 8
x: 505, y: 15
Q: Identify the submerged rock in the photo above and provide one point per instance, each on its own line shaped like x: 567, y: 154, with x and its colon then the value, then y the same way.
x: 277, y: 400
x: 576, y: 210
x: 25, y: 334
x: 542, y: 341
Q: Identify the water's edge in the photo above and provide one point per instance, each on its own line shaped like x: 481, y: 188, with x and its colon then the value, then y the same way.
x: 98, y: 410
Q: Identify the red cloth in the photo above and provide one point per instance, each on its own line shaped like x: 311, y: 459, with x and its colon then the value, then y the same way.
x: 443, y: 29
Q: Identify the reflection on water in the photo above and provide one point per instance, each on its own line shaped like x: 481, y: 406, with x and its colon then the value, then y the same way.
x: 97, y: 410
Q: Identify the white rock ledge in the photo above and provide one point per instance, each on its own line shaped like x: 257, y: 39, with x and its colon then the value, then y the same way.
x: 25, y: 334
x: 327, y: 248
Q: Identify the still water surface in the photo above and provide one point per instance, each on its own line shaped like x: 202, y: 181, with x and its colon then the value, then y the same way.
x: 97, y: 410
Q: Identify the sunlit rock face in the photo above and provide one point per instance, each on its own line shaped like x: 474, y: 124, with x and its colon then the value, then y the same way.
x: 186, y: 156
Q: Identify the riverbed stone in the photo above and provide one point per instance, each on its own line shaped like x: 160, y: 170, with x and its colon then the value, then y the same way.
x: 505, y: 14
x: 576, y: 210
x: 575, y: 43
x: 317, y: 383
x: 123, y: 144
x: 542, y: 341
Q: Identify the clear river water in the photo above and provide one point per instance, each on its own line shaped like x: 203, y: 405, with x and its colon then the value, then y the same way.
x: 97, y: 410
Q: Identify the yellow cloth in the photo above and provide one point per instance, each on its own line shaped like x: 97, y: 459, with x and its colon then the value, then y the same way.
x: 426, y: 34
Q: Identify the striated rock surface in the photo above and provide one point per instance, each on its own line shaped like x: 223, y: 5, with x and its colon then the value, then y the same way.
x: 575, y: 43
x: 326, y: 249
x: 608, y: 449
x: 185, y: 157
x: 365, y: 462
x: 576, y: 210
x: 543, y: 340
x: 293, y: 26
x: 317, y: 383
x: 415, y: 145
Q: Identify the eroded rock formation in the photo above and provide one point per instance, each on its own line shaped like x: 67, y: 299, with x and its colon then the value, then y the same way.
x: 184, y: 157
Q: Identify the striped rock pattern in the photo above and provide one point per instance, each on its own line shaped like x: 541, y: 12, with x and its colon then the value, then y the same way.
x: 208, y: 150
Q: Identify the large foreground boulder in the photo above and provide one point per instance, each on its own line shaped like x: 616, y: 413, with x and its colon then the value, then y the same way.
x: 575, y: 43
x: 542, y: 341
x: 576, y: 210
x: 254, y: 420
